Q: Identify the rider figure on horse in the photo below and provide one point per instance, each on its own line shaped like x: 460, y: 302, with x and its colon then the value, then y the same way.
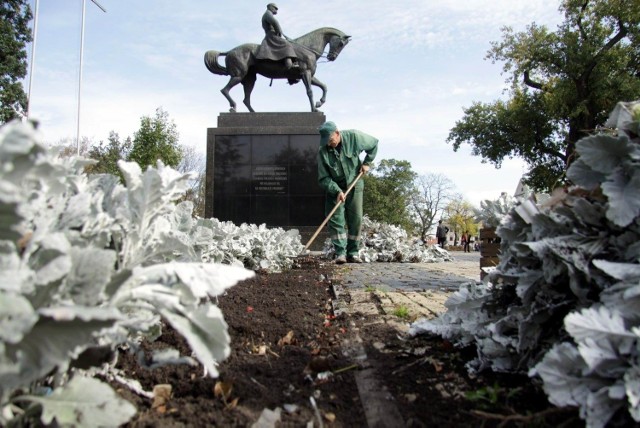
x: 275, y: 46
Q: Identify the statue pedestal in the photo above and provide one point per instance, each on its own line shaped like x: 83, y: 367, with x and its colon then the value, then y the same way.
x: 262, y: 168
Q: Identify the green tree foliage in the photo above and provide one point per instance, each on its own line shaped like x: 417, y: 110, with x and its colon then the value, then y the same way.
x: 108, y: 154
x: 563, y: 85
x: 157, y: 139
x: 14, y: 36
x: 460, y: 217
x: 388, y: 191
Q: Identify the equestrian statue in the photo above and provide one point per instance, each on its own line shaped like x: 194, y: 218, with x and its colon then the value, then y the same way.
x: 278, y: 57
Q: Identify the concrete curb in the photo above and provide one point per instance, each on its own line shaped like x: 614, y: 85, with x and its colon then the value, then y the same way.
x: 379, y: 407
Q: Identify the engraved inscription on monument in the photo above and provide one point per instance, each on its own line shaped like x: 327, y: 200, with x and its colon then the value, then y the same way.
x: 269, y: 179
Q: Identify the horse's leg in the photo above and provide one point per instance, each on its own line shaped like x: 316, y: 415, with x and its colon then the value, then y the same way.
x: 248, y: 83
x: 306, y: 78
x: 225, y: 91
x: 319, y: 84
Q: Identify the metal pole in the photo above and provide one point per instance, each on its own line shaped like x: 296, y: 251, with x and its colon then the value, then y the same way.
x: 33, y: 56
x: 84, y: 6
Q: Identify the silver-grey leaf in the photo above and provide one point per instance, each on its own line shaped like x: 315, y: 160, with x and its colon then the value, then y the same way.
x: 604, y: 153
x: 598, y: 324
x: 561, y: 369
x: 17, y: 317
x: 624, y: 197
x: 84, y: 402
x: 206, y: 332
x: 91, y: 272
x: 584, y: 176
x: 59, y: 335
x: 619, y: 270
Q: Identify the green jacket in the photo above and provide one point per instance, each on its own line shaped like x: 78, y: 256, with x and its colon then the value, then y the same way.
x: 337, y: 170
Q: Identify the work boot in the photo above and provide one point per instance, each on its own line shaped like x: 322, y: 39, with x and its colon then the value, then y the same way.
x: 340, y: 260
x: 354, y: 259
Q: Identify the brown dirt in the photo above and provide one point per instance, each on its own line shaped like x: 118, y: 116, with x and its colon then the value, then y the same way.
x: 425, y: 376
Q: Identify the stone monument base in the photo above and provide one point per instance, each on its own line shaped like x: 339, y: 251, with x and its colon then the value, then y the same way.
x: 262, y: 168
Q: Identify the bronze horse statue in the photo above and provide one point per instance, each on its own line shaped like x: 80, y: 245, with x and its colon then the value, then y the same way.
x: 242, y: 66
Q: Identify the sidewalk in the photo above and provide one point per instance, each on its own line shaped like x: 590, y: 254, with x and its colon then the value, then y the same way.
x: 382, y: 291
x: 392, y: 295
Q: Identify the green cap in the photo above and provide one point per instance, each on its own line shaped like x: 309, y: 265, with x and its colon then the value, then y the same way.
x: 325, y: 130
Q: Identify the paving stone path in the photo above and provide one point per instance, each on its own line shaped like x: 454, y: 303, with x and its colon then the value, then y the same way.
x: 399, y: 293
x: 395, y: 294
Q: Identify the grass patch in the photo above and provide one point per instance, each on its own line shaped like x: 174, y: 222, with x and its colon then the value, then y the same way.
x: 492, y: 395
x: 401, y: 312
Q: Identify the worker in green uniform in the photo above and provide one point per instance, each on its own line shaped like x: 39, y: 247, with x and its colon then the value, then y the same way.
x: 338, y: 166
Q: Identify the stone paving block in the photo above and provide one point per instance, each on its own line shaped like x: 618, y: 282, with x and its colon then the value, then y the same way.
x: 421, y: 287
x: 417, y: 303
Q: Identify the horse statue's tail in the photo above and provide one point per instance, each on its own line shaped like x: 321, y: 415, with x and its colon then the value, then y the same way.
x: 211, y: 61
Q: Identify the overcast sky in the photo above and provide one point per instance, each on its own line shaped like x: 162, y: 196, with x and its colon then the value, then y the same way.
x: 408, y: 72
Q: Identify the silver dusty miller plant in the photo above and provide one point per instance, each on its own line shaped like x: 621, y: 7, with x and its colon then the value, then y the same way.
x: 382, y: 242
x: 564, y: 301
x: 491, y: 212
x: 87, y: 264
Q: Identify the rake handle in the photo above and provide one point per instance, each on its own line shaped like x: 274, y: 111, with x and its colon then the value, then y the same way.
x: 315, y: 235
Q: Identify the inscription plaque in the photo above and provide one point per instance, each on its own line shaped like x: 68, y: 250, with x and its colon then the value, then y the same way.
x: 270, y: 179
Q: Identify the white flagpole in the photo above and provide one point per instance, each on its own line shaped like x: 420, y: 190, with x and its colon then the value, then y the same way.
x: 33, y: 56
x: 84, y: 4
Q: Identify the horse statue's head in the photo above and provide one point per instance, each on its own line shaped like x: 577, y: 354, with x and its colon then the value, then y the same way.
x: 336, y: 44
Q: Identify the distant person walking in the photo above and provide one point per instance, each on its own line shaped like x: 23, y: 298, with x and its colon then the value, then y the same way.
x: 441, y: 234
x: 465, y: 242
x: 338, y: 166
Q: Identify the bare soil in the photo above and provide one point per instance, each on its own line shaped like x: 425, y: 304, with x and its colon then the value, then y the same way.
x: 287, y: 354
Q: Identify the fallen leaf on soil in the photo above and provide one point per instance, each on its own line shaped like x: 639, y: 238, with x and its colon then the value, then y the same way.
x: 437, y: 365
x: 379, y: 345
x: 331, y: 417
x: 223, y: 389
x: 249, y: 309
x: 161, y: 396
x: 287, y: 340
x: 232, y: 404
x: 411, y: 397
x: 260, y: 350
x: 442, y: 390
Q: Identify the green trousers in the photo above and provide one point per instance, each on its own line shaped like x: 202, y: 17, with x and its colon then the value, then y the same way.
x: 345, y: 224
